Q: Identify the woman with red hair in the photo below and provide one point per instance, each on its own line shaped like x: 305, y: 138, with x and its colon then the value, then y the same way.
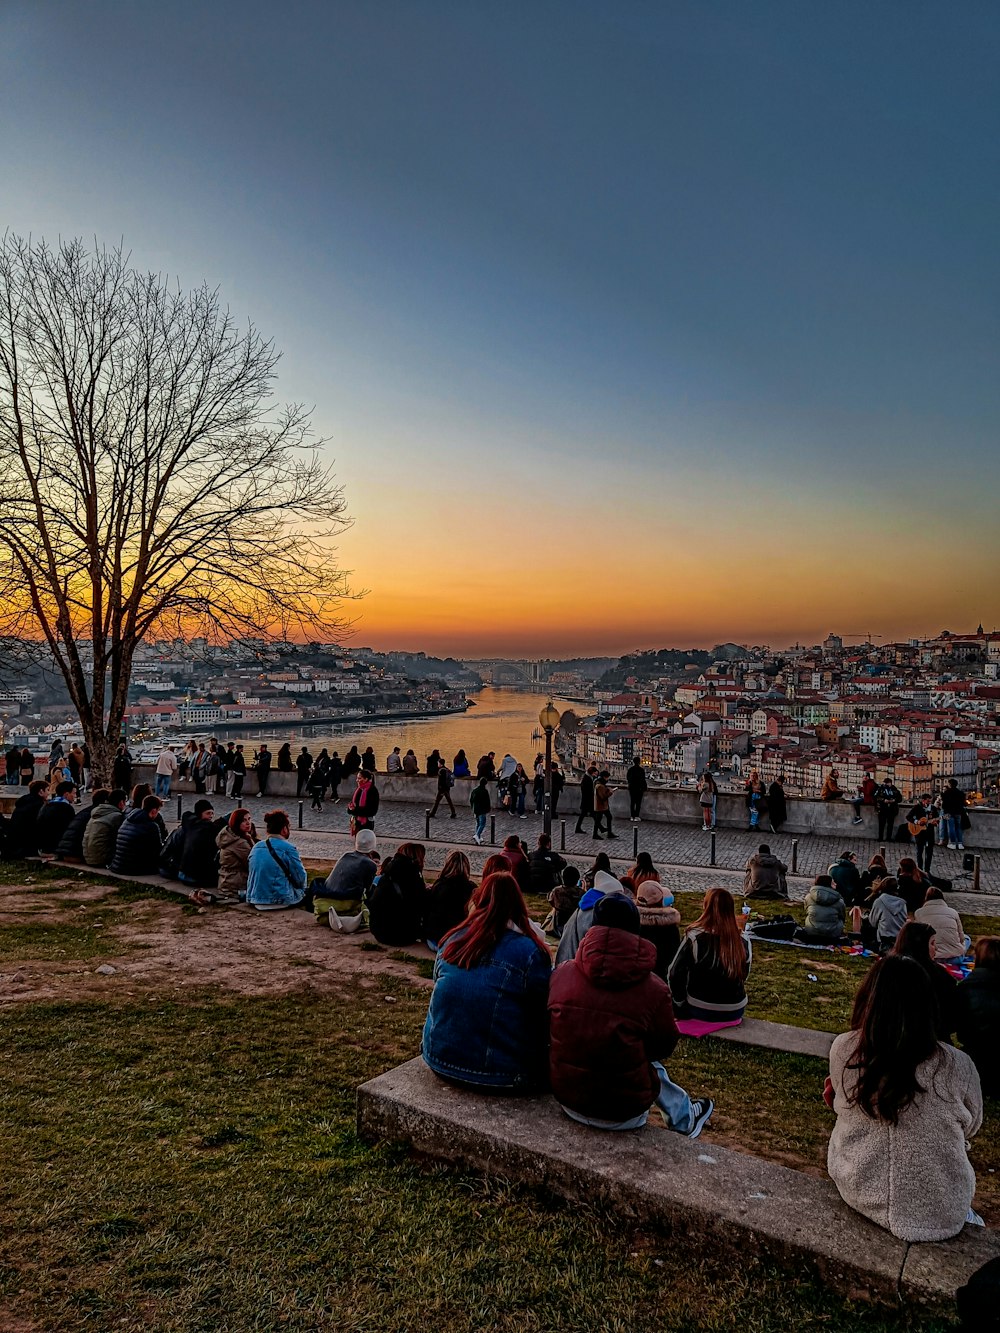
x: 486, y: 1025
x: 710, y: 968
x: 234, y: 841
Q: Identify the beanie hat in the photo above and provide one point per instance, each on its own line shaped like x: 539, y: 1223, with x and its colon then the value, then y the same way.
x: 618, y: 912
x: 365, y: 840
x: 201, y: 806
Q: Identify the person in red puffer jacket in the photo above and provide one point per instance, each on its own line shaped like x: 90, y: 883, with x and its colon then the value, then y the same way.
x: 611, y: 1021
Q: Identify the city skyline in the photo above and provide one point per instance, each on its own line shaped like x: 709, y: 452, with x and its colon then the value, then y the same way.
x: 623, y: 327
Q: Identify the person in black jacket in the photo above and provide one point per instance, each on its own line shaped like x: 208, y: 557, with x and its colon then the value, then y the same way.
x: 953, y: 808
x: 199, y: 861
x: 13, y: 757
x: 236, y: 771
x: 586, y: 796
x: 916, y: 941
x: 22, y: 828
x: 302, y: 766
x: 54, y: 818
x: 262, y: 765
x: 888, y: 798
x: 352, y: 763
x: 397, y: 900
x: 448, y: 898
x: 544, y: 867
x: 977, y: 1001
x: 121, y: 769
x: 285, y: 762
x: 777, y: 806
x: 635, y: 780
x: 137, y: 846
x: 70, y: 845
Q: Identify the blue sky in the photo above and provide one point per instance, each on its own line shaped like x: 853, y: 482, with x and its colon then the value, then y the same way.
x: 684, y: 280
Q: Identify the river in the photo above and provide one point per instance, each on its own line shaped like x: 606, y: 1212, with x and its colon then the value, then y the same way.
x: 502, y: 720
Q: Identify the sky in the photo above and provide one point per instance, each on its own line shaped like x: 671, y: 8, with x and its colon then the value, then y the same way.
x: 625, y: 325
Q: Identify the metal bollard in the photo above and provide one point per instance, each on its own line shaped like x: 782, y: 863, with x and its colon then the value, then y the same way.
x: 635, y: 839
x: 300, y: 814
x: 976, y: 865
x: 179, y: 800
x: 427, y: 826
x: 493, y: 830
x: 711, y: 852
x: 795, y: 855
x: 881, y: 852
x: 562, y: 835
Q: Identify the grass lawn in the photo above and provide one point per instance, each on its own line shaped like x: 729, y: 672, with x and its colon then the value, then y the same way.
x: 193, y: 1166
x: 190, y: 1164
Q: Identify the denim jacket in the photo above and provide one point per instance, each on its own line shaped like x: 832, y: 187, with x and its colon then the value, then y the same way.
x: 487, y: 1025
x: 268, y: 885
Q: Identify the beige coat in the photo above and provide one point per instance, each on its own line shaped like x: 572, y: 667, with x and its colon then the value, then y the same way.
x: 913, y: 1178
x: 949, y: 937
x: 234, y: 856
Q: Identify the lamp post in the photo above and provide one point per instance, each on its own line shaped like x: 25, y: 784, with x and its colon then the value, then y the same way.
x: 549, y: 718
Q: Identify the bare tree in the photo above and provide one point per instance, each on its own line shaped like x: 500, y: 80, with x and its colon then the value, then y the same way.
x: 148, y: 482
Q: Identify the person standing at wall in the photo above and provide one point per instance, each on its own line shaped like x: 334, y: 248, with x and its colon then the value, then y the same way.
x: 602, y: 806
x: 635, y: 780
x: 445, y: 782
x: 586, y: 797
x: 262, y: 765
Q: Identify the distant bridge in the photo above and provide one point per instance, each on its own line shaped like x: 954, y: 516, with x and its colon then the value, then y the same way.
x: 509, y: 671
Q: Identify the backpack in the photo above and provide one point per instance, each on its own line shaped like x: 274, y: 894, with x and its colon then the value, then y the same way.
x: 170, y: 855
x: 773, y: 928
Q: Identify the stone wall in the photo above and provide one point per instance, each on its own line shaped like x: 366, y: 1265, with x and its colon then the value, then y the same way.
x: 662, y: 805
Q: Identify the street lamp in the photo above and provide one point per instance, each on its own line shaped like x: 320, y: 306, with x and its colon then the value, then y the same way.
x: 549, y: 718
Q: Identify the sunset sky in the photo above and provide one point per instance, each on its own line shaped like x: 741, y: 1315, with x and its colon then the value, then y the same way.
x: 627, y: 324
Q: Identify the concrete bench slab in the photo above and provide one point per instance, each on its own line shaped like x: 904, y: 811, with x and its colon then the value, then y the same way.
x: 97, y: 872
x: 709, y: 1197
x: 779, y: 1037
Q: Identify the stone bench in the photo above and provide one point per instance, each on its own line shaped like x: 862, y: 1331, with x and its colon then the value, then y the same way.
x: 709, y: 1198
x: 778, y: 1037
x: 98, y: 872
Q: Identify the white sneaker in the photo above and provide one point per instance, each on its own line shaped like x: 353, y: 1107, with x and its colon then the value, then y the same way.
x: 477, y: 840
x: 952, y: 847
x: 959, y: 846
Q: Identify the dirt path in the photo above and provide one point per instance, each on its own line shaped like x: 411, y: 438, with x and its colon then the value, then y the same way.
x: 166, y: 947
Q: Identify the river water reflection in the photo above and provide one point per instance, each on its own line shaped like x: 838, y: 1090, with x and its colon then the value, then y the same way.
x: 502, y: 720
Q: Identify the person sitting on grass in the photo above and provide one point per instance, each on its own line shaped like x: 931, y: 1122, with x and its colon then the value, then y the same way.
x: 583, y: 918
x: 137, y: 843
x: 644, y: 871
x: 486, y: 1023
x: 825, y: 913
x: 276, y: 876
x: 70, y: 845
x: 199, y: 859
x: 846, y: 878
x: 565, y: 899
x: 22, y: 827
x: 912, y: 885
x: 102, y: 828
x: 950, y: 940
x: 764, y: 875
x: 398, y: 898
x: 916, y: 941
x: 55, y: 817
x: 978, y: 1005
x: 544, y: 867
x: 611, y: 1024
x: 708, y: 975
x: 659, y: 920
x: 235, y: 840
x: 886, y: 916
x: 353, y: 874
x: 448, y: 899
x: 906, y: 1106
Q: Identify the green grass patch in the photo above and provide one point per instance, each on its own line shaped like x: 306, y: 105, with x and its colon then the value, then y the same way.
x: 172, y: 1167
x: 56, y: 941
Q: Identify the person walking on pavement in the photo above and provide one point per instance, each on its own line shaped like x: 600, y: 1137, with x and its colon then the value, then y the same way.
x: 586, y: 797
x: 166, y: 767
x: 480, y: 803
x: 635, y: 780
x: 237, y: 771
x: 602, y: 806
x: 445, y: 782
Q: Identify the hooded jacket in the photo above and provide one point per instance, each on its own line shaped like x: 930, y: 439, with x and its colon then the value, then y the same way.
x: 765, y: 876
x: 609, y: 1018
x: 397, y: 902
x: 100, y: 833
x: 825, y: 912
x: 22, y: 830
x: 583, y: 918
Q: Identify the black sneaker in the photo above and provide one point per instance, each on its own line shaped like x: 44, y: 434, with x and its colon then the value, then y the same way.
x: 702, y: 1112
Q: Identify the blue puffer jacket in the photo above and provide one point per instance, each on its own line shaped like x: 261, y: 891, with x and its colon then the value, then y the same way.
x: 487, y: 1025
x: 137, y: 846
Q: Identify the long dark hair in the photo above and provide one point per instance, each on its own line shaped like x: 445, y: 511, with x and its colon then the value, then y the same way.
x: 494, y: 904
x: 718, y: 918
x: 894, y: 1017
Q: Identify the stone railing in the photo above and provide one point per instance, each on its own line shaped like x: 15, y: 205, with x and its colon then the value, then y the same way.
x: 661, y: 805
